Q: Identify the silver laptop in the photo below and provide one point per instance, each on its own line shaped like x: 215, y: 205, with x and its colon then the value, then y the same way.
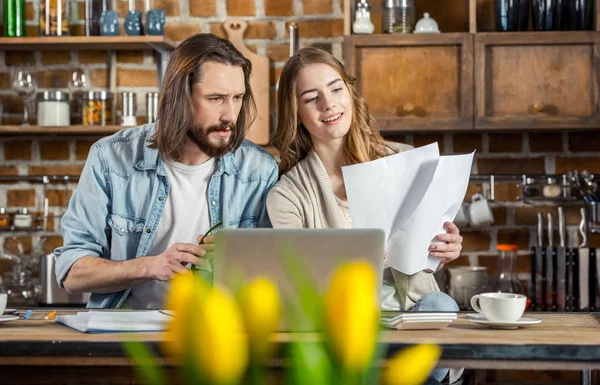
x: 244, y: 254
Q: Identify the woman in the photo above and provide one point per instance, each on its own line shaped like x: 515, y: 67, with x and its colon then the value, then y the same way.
x: 324, y: 125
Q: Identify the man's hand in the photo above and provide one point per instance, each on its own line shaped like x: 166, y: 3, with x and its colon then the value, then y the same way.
x: 164, y: 266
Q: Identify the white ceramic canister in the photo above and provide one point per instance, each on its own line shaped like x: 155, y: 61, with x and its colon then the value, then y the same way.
x: 53, y: 108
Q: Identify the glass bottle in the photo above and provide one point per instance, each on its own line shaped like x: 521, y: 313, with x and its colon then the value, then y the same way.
x: 508, y: 281
x: 54, y: 18
x: 14, y: 18
x: 93, y: 11
x: 4, y: 218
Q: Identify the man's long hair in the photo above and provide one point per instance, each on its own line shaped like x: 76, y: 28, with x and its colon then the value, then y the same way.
x: 363, y: 141
x: 175, y: 115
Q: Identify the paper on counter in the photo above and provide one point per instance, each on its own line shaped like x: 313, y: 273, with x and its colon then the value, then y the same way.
x: 409, y: 195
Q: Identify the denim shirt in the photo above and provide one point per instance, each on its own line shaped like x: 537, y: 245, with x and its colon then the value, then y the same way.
x: 115, y: 209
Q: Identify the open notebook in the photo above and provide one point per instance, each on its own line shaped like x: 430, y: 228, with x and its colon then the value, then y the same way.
x: 116, y: 321
x: 416, y: 320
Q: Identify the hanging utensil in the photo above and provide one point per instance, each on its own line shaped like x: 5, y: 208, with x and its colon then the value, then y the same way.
x: 538, y: 254
x: 582, y: 265
x: 561, y: 263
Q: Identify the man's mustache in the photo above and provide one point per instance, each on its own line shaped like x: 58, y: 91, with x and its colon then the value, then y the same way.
x: 219, y: 127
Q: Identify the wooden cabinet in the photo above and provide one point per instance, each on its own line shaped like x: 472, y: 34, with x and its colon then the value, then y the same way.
x: 536, y: 80
x: 415, y: 82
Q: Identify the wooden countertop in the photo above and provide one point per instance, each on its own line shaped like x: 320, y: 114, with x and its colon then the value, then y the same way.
x: 569, y: 337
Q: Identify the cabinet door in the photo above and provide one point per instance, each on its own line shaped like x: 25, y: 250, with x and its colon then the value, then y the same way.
x: 536, y: 80
x: 415, y: 82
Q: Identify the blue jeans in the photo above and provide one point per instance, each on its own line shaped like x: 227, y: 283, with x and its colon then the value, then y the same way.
x: 436, y: 301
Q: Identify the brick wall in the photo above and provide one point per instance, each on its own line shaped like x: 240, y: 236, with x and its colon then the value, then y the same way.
x: 321, y: 24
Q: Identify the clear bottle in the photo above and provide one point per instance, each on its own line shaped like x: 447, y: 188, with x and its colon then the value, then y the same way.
x: 508, y: 281
x: 54, y: 17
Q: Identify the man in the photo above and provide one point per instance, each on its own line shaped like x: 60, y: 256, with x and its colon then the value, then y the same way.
x: 146, y: 195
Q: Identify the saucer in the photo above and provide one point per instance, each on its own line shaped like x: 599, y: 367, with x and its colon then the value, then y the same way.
x: 10, y: 311
x: 480, y: 319
x: 7, y: 318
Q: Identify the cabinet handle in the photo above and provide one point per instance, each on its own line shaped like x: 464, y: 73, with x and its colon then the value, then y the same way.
x: 539, y: 107
x: 408, y: 108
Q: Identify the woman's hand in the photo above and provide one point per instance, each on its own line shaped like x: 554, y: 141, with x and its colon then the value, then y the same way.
x: 450, y: 250
x: 207, y: 243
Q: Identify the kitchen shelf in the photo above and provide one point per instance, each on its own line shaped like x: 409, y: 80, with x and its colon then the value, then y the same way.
x: 87, y: 43
x: 62, y: 130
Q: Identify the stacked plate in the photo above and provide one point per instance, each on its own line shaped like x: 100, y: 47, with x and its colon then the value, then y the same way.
x: 416, y: 320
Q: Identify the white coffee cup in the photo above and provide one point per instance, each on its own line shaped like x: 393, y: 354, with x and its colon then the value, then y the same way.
x: 3, y: 301
x: 462, y: 216
x: 500, y: 307
x: 480, y: 213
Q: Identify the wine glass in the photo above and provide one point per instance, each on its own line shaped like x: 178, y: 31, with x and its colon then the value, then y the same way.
x: 25, y: 85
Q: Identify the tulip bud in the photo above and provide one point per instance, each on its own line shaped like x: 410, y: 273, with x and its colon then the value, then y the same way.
x: 411, y: 366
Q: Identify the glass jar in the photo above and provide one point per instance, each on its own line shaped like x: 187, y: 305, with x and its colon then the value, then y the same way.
x: 98, y: 108
x: 93, y: 11
x: 14, y: 18
x: 552, y: 189
x: 4, y: 218
x: 508, y: 281
x: 54, y: 17
x: 398, y: 16
x: 53, y: 108
x: 22, y: 219
x: 21, y: 289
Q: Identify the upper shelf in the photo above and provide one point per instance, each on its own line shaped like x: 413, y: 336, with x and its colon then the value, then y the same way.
x: 63, y: 130
x: 86, y: 42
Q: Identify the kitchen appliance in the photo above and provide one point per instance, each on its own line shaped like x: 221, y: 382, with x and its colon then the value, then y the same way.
x: 463, y: 282
x: 50, y: 293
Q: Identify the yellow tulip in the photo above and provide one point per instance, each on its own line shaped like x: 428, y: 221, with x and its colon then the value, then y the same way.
x: 261, y: 309
x: 411, y: 366
x: 220, y: 345
x: 184, y: 288
x: 351, y: 315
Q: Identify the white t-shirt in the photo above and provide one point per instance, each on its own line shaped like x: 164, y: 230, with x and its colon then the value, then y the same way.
x: 184, y: 217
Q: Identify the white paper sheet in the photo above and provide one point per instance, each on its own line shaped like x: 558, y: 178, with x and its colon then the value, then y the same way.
x: 409, y: 195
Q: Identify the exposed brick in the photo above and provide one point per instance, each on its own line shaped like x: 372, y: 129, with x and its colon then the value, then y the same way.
x: 181, y: 31
x: 422, y: 140
x: 136, y: 78
x: 170, y: 7
x: 51, y: 242
x: 519, y: 237
x: 8, y: 170
x: 527, y: 215
x: 57, y: 197
x: 506, y: 192
x: 93, y: 57
x: 17, y: 150
x: 5, y: 82
x: 39, y: 221
x: 594, y: 240
x: 466, y: 143
x: 20, y: 198
x: 584, y: 141
x: 12, y: 104
x: 499, y: 214
x: 82, y: 149
x: 99, y: 78
x: 319, y: 28
x: 324, y: 46
x: 53, y: 79
x: 19, y: 58
x: 506, y: 142
x: 71, y: 169
x: 274, y: 74
x: 511, y: 166
x: 491, y: 262
x: 56, y: 57
x: 279, y: 7
x: 568, y: 164
x: 54, y: 150
x: 462, y: 260
x: 545, y: 142
x: 11, y: 245
x: 241, y: 8
x: 218, y: 30
x: 277, y: 52
x: 317, y: 7
x: 261, y: 30
x: 394, y: 137
x: 136, y: 57
x: 473, y: 188
x: 30, y: 12
x: 204, y: 8
x: 476, y: 241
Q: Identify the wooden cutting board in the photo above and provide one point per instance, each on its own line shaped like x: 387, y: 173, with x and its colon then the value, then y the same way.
x: 259, y: 81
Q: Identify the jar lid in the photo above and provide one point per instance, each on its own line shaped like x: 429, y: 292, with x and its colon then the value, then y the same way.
x: 2, y: 210
x: 97, y: 95
x: 24, y: 210
x: 507, y: 247
x: 427, y: 25
x: 53, y: 96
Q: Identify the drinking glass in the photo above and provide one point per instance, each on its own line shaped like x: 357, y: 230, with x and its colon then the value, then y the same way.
x: 24, y: 83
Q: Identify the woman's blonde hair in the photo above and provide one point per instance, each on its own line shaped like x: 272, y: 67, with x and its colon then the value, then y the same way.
x: 363, y: 142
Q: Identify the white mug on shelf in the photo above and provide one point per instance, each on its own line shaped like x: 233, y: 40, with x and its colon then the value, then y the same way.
x: 480, y: 213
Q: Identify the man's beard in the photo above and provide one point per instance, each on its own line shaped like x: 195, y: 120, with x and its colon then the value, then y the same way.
x: 201, y: 137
